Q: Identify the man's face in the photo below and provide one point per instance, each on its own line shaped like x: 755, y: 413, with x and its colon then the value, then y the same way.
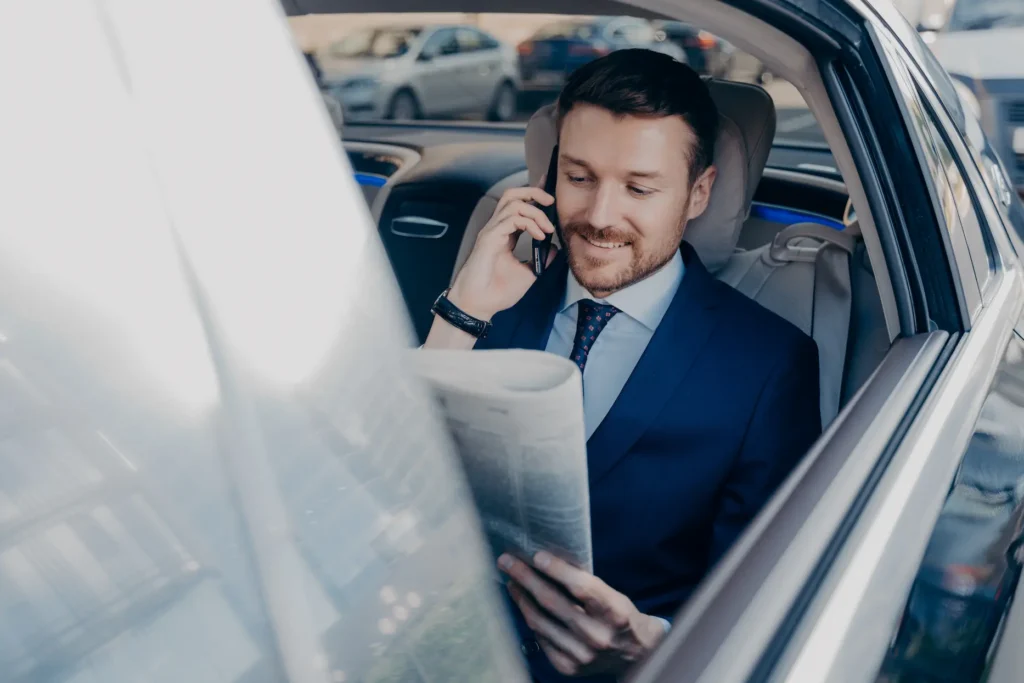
x: 624, y: 194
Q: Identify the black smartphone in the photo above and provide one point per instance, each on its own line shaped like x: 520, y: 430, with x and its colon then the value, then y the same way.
x: 541, y: 248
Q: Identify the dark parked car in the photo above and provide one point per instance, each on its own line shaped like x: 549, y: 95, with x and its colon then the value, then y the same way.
x: 556, y: 50
x: 705, y: 52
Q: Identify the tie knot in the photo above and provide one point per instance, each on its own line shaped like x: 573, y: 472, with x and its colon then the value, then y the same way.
x: 592, y: 310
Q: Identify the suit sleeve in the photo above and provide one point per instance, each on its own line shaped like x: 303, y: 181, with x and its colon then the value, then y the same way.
x: 785, y: 423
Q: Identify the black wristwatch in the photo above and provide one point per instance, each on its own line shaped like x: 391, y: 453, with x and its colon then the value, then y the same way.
x: 458, y: 318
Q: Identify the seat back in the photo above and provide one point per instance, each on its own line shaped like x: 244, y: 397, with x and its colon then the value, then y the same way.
x: 803, y: 275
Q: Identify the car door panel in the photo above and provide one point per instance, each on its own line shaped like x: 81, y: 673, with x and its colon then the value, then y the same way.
x: 481, y: 69
x: 440, y: 91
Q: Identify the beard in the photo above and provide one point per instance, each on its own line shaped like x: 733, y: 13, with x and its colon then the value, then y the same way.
x: 603, y: 276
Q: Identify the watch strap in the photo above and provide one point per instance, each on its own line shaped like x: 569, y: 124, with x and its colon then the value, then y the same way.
x: 456, y: 317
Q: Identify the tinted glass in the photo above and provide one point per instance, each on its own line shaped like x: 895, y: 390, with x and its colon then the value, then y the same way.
x: 442, y: 42
x: 469, y: 40
x: 376, y: 43
x: 980, y: 15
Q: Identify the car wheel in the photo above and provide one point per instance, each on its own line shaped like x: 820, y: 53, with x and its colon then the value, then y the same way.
x: 505, y: 104
x: 404, y: 107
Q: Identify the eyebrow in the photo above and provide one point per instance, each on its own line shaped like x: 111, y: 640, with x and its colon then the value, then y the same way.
x: 631, y: 174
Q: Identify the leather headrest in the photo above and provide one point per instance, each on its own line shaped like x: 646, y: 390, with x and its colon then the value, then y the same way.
x: 746, y: 117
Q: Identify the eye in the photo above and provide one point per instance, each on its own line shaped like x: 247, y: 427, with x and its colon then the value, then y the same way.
x: 639, y: 191
x: 576, y: 179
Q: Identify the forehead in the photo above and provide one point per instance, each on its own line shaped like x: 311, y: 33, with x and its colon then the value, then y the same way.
x: 611, y: 143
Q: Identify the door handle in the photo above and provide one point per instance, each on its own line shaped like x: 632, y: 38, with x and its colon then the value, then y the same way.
x: 419, y: 227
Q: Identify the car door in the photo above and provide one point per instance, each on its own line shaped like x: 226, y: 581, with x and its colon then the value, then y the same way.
x: 936, y: 546
x: 481, y: 71
x: 439, y: 73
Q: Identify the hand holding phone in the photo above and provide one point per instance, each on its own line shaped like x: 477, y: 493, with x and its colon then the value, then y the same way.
x: 541, y: 248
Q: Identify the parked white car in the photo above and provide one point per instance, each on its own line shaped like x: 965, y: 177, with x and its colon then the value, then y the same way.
x: 413, y: 72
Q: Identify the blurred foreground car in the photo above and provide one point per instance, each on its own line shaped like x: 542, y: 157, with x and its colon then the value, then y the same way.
x: 216, y: 468
x: 556, y: 50
x: 981, y: 43
x: 705, y: 52
x: 413, y: 72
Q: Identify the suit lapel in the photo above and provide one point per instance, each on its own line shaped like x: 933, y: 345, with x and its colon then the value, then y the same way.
x: 675, y: 346
x: 527, y: 325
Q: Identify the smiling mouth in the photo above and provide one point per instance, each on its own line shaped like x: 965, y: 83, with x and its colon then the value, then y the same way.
x: 605, y: 245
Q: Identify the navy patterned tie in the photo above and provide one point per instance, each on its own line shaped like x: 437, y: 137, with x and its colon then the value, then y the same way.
x: 591, y: 318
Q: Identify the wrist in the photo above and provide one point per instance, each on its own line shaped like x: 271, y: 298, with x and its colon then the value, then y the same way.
x: 467, y: 305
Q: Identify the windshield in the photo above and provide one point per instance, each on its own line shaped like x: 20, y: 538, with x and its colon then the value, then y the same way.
x: 977, y: 15
x: 376, y: 43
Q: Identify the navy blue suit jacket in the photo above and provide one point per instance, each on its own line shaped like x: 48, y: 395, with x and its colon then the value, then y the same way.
x: 721, y: 406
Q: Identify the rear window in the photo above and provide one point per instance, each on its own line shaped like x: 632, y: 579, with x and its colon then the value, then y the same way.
x: 503, y: 67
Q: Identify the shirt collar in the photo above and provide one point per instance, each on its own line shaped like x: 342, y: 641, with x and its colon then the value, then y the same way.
x: 645, y: 301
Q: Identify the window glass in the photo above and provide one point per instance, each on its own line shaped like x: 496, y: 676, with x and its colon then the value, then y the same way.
x: 539, y: 52
x: 469, y: 40
x: 442, y: 42
x: 972, y: 563
x: 967, y: 208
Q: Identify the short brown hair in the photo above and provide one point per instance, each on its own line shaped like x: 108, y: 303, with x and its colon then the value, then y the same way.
x: 638, y: 82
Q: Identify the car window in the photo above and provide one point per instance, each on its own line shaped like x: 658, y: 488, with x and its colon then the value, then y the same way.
x: 970, y: 569
x: 980, y: 15
x: 935, y: 157
x: 469, y: 40
x: 375, y: 43
x: 443, y: 42
x: 970, y: 210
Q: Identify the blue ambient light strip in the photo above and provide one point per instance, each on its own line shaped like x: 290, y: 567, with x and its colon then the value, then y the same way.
x: 371, y: 179
x: 778, y: 214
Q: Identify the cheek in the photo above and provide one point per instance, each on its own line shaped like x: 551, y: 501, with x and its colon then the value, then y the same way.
x: 656, y: 219
x: 571, y: 202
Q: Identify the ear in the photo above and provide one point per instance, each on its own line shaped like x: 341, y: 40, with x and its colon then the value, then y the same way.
x: 700, y: 193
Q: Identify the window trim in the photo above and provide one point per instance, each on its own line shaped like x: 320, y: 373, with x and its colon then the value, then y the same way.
x: 989, y: 265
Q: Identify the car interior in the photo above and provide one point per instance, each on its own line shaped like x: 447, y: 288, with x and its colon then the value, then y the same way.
x: 796, y: 237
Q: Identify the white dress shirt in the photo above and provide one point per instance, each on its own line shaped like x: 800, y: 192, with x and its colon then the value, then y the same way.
x: 618, y: 348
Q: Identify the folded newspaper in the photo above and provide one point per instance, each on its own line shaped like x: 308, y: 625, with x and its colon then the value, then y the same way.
x: 517, y: 421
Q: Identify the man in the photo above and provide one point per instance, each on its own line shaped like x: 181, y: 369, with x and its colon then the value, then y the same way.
x: 697, y: 401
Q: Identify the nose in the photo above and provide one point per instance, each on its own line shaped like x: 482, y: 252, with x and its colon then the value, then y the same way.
x: 604, y: 208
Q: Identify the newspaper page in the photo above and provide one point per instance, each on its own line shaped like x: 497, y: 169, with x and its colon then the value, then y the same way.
x: 517, y: 421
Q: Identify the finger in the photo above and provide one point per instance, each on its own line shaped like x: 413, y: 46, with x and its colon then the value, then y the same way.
x: 597, y: 597
x: 527, y: 210
x: 549, y: 629
x: 524, y: 194
x: 597, y: 635
x: 503, y: 229
x: 562, y: 662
